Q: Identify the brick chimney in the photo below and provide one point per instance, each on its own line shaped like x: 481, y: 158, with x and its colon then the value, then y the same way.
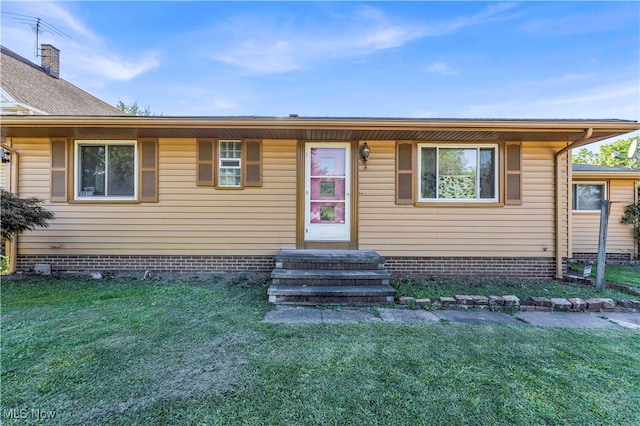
x: 50, y: 60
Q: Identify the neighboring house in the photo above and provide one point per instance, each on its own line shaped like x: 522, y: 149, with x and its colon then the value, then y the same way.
x: 436, y: 198
x: 591, y: 185
x: 30, y: 89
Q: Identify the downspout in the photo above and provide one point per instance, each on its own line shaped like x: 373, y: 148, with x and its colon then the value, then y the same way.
x: 558, y: 225
x: 636, y: 196
x: 12, y: 246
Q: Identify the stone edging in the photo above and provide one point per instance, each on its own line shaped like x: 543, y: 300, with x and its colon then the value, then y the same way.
x: 590, y: 281
x: 511, y: 302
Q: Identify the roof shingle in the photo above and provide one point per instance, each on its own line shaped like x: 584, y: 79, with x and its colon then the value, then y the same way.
x: 30, y: 84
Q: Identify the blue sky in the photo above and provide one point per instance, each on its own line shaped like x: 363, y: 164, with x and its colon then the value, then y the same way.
x: 356, y: 59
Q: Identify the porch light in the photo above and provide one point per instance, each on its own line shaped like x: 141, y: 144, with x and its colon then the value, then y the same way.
x: 364, y: 153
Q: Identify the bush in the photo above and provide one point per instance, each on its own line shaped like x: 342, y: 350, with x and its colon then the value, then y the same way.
x: 21, y: 214
x: 632, y: 216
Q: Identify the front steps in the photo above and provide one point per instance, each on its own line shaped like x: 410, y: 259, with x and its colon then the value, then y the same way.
x: 319, y: 277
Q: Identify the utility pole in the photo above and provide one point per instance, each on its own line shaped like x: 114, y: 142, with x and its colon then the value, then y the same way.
x: 605, y: 208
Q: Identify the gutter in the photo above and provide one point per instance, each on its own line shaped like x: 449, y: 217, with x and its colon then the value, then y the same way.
x: 12, y: 246
x: 318, y: 123
x: 584, y: 140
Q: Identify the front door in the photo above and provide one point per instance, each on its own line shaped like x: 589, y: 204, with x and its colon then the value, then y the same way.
x: 327, y: 192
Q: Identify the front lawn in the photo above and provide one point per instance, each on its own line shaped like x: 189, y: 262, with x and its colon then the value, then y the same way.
x: 621, y: 274
x: 524, y: 290
x: 194, y: 351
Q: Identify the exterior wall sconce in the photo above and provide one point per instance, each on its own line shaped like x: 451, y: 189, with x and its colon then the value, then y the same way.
x: 364, y: 153
x: 5, y: 156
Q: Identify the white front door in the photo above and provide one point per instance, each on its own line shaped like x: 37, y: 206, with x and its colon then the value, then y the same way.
x: 327, y: 191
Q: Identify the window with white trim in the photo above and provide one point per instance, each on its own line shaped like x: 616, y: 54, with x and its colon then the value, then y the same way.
x: 458, y: 173
x: 106, y: 170
x: 588, y: 196
x: 230, y: 163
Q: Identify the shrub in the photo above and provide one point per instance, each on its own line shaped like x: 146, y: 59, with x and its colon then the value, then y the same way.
x: 21, y: 214
x: 632, y: 216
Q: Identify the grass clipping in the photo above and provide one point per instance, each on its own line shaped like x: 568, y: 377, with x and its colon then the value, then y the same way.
x: 208, y: 370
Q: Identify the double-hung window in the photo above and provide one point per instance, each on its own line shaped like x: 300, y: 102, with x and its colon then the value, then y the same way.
x: 458, y: 173
x: 588, y: 196
x: 106, y: 170
x: 230, y: 166
x: 229, y: 163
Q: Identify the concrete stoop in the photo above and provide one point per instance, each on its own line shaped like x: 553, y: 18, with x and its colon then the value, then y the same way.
x: 342, y: 277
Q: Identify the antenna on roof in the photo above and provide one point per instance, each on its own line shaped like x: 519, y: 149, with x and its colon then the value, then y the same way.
x: 39, y: 26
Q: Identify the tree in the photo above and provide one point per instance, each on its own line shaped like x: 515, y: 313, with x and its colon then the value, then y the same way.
x: 21, y: 214
x: 134, y: 109
x: 604, y: 157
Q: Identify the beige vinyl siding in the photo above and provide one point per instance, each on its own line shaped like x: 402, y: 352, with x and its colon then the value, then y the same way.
x: 4, y: 176
x: 35, y: 167
x: 200, y: 220
x: 187, y: 219
x: 586, y: 225
x: 509, y: 231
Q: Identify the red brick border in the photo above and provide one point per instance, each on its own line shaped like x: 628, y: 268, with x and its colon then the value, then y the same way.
x: 526, y: 268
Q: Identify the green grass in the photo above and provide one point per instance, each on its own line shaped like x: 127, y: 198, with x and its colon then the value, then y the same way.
x: 620, y: 274
x: 524, y: 290
x: 194, y: 351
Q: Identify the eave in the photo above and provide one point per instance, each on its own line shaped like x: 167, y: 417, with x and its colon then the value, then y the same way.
x: 631, y: 174
x: 319, y: 129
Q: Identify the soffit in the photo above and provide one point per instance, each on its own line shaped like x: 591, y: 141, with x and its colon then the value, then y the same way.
x: 313, y: 129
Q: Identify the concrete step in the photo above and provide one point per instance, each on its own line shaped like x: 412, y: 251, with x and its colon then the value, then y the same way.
x: 312, y: 277
x: 321, y: 277
x: 314, y: 295
x: 329, y: 259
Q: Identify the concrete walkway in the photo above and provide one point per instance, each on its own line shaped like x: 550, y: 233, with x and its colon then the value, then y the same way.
x: 313, y: 315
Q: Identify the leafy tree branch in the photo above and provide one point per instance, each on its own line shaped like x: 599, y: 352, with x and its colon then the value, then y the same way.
x: 21, y: 214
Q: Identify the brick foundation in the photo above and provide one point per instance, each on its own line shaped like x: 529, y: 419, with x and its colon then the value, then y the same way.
x: 153, y: 263
x: 611, y: 258
x: 400, y: 267
x: 523, y: 268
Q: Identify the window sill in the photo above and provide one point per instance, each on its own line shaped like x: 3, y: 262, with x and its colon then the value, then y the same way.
x: 473, y: 204
x: 103, y: 201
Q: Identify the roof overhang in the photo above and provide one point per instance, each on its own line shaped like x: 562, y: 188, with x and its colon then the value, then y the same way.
x: 319, y: 129
x: 630, y: 174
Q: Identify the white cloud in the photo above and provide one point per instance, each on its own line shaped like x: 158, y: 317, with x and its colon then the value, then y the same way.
x: 492, y: 13
x: 57, y: 13
x: 194, y: 100
x: 273, y: 57
x: 55, y: 19
x: 600, y: 101
x: 89, y: 63
x: 441, y: 68
x: 270, y: 52
x: 259, y: 46
x: 111, y: 66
